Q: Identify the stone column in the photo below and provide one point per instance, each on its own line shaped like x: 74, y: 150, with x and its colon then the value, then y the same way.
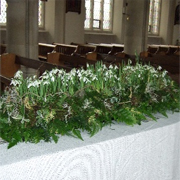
x: 136, y: 26
x: 22, y: 28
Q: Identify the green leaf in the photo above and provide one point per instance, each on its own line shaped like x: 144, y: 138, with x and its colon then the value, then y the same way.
x: 55, y: 138
x: 11, y: 144
x: 77, y: 133
x: 95, y: 128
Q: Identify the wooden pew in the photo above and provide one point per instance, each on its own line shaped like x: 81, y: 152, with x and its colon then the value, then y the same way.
x: 173, y: 50
x: 44, y: 49
x: 11, y: 63
x: 169, y: 63
x: 8, y: 68
x: 116, y: 49
x: 2, y: 48
x: 162, y: 49
x: 152, y: 49
x: 68, y: 61
x: 65, y: 48
x: 83, y: 49
x: 4, y: 82
x: 39, y: 65
x: 8, y: 65
x: 103, y: 49
x: 177, y: 52
x: 100, y: 52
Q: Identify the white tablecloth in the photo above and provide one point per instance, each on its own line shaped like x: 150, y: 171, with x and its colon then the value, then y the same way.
x: 120, y: 152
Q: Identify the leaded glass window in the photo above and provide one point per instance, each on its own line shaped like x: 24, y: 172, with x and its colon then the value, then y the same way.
x: 41, y: 14
x: 3, y: 6
x: 154, y: 16
x: 98, y: 15
x: 3, y: 12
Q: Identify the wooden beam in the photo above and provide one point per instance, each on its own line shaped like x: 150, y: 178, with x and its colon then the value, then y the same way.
x: 5, y: 80
x: 39, y: 65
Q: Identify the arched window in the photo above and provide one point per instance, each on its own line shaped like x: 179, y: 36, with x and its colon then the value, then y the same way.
x: 154, y: 16
x: 3, y: 7
x: 98, y: 15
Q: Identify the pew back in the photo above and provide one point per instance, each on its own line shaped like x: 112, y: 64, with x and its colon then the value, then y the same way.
x: 8, y: 66
x: 65, y: 48
x: 83, y: 49
x: 2, y: 48
x: 44, y: 49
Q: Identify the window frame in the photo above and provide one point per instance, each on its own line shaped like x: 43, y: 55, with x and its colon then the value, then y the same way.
x: 99, y: 30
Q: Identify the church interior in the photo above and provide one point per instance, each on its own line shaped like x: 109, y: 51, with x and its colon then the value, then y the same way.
x: 119, y: 126
x: 93, y: 30
x: 127, y: 26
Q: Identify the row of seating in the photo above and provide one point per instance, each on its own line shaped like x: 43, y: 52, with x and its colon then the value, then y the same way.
x: 11, y: 63
x: 163, y: 49
x: 75, y: 49
x: 67, y: 58
x: 101, y: 48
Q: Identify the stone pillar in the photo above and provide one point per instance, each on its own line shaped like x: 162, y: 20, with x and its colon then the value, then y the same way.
x: 136, y: 26
x: 22, y: 28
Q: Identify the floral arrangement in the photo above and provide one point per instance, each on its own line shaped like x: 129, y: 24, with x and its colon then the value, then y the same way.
x: 66, y: 103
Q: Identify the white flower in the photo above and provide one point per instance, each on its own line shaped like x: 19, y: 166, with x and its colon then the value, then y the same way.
x: 110, y: 67
x: 164, y: 73
x: 52, y: 79
x: 86, y: 80
x: 18, y: 75
x: 104, y: 66
x: 94, y: 78
x: 159, y: 68
x: 15, y: 82
x: 107, y: 105
x: 65, y: 105
x: 155, y: 75
x: 73, y: 72
x: 86, y: 103
x: 46, y: 82
x: 34, y: 83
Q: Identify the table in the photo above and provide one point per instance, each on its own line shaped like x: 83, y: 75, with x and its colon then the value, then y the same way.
x: 150, y: 151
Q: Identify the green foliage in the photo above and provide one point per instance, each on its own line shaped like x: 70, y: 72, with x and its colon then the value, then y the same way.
x: 60, y: 103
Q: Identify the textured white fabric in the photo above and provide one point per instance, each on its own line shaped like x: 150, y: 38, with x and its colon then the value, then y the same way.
x: 120, y: 152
